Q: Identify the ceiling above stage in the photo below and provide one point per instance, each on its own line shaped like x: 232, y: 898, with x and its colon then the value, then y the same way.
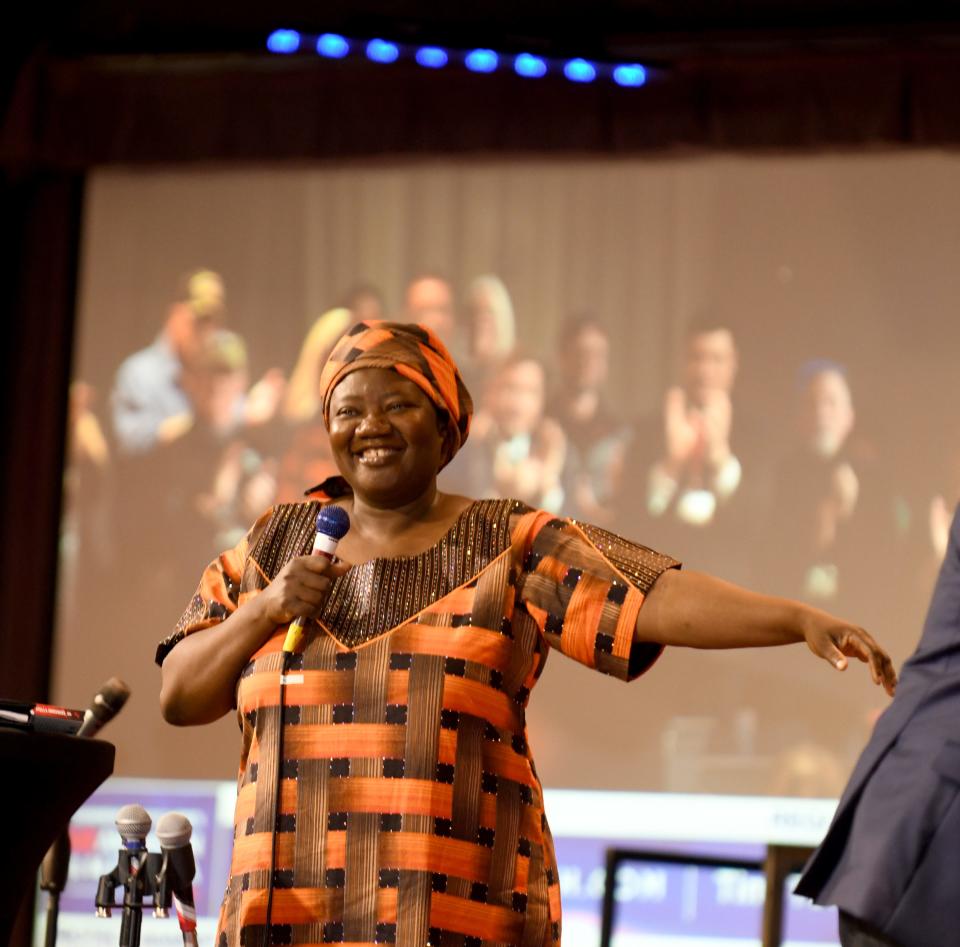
x: 604, y: 29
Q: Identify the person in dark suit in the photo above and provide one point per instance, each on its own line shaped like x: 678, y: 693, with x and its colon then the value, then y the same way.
x: 891, y: 858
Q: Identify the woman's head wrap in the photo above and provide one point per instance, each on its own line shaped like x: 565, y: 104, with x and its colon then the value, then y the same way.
x: 414, y: 352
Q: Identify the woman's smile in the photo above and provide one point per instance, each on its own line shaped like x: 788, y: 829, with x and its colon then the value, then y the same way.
x: 378, y: 456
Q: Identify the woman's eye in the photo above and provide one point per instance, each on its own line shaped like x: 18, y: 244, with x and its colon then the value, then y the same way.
x: 398, y: 406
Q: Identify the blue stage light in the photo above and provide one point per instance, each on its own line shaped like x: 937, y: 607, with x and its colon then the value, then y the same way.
x: 531, y: 67
x: 432, y: 57
x: 380, y: 50
x: 579, y: 70
x: 283, y: 41
x: 332, y: 45
x: 481, y: 60
x: 631, y: 75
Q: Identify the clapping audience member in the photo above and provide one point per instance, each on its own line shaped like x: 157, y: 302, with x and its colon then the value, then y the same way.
x: 518, y: 451
x: 686, y: 484
x: 596, y: 436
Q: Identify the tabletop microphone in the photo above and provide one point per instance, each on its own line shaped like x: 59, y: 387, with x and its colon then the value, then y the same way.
x: 332, y: 525
x: 105, y: 705
x: 56, y: 863
x: 173, y: 832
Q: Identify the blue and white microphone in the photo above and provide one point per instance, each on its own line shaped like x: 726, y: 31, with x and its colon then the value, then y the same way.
x: 332, y: 525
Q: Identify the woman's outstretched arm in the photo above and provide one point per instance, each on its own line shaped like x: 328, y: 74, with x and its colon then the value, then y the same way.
x: 695, y: 610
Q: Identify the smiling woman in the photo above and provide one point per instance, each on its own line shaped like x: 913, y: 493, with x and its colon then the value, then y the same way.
x: 387, y: 792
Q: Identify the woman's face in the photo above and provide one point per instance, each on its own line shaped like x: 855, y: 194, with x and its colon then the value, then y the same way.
x: 385, y: 436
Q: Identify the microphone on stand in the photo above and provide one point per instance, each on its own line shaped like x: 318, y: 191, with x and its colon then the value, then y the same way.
x: 53, y: 879
x: 174, y: 831
x: 332, y: 525
x: 134, y: 872
x: 105, y: 705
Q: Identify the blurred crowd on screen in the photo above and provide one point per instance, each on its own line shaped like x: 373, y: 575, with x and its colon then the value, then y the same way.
x: 173, y: 464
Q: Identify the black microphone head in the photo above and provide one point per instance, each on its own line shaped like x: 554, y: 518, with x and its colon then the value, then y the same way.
x: 333, y: 521
x: 174, y: 830
x: 110, y: 699
x: 133, y: 822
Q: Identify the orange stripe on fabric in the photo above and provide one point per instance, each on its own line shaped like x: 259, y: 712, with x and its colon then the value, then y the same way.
x: 323, y: 741
x: 364, y: 740
x: 373, y: 794
x: 251, y: 852
x: 539, y: 615
x: 304, y: 905
x: 481, y: 700
x: 247, y: 800
x: 318, y: 687
x: 480, y: 645
x: 526, y: 531
x: 365, y: 341
x: 486, y: 921
x: 422, y: 382
x: 273, y: 645
x: 627, y: 623
x: 553, y: 568
x: 503, y: 761
x: 459, y: 600
x: 444, y: 379
x: 582, y: 618
x: 553, y: 892
x: 421, y: 852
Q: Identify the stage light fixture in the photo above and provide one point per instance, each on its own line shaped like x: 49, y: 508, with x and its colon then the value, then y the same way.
x: 481, y: 60
x: 529, y: 66
x: 433, y: 57
x: 631, y: 75
x: 332, y: 45
x: 379, y: 50
x: 283, y: 41
x: 579, y: 70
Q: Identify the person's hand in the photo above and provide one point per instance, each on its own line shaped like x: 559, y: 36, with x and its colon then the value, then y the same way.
x: 300, y: 588
x: 682, y: 435
x: 940, y: 517
x: 716, y: 422
x: 263, y: 399
x: 835, y: 641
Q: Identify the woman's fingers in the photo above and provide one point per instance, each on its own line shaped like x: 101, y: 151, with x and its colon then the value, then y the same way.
x: 302, y: 586
x: 856, y: 642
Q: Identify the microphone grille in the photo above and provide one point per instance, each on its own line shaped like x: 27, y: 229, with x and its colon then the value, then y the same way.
x: 174, y: 830
x: 333, y: 521
x: 133, y: 822
x: 110, y: 698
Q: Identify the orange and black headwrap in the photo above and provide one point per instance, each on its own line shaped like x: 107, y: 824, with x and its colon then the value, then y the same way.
x: 414, y: 352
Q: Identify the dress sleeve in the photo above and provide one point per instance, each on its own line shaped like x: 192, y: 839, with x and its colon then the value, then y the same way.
x: 584, y: 586
x: 219, y: 593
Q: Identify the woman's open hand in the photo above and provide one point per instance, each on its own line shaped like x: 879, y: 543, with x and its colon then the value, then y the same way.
x: 835, y: 641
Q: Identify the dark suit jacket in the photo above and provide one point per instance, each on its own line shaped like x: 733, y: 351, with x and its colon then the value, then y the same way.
x: 892, y: 854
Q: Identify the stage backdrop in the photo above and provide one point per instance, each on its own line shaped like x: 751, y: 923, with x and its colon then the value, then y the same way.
x: 839, y: 266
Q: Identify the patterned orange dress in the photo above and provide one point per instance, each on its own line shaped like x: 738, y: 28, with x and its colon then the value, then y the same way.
x: 410, y: 812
